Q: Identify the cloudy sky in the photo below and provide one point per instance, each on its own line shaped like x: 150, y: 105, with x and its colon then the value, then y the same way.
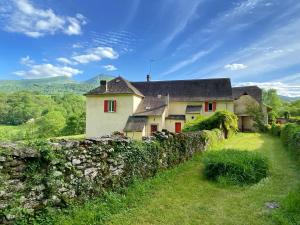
x: 250, y: 41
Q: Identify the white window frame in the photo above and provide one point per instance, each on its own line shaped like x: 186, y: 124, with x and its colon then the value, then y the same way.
x: 111, y: 106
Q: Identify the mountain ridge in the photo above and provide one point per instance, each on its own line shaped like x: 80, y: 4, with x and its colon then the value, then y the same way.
x: 53, y: 85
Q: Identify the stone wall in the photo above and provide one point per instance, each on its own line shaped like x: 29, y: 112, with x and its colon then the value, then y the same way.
x: 55, y: 174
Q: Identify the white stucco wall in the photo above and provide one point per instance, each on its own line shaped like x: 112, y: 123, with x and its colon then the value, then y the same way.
x: 99, y: 123
x: 170, y: 124
x: 136, y: 135
x: 242, y: 103
x: 178, y: 108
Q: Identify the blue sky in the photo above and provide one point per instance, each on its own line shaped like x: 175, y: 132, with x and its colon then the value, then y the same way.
x: 250, y: 41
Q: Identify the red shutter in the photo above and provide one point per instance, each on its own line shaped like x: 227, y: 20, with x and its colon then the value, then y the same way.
x: 115, y: 104
x: 206, y: 106
x: 105, y: 106
x: 214, y: 106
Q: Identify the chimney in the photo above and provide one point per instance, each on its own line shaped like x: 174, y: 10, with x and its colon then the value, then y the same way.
x: 148, y: 78
x: 104, y: 84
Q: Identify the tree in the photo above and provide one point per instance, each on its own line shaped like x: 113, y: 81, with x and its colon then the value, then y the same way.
x: 272, y: 115
x: 271, y: 98
x: 75, y: 125
x: 256, y: 112
x: 51, y: 124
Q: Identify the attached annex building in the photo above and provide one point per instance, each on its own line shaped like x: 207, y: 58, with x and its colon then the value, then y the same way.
x: 138, y: 109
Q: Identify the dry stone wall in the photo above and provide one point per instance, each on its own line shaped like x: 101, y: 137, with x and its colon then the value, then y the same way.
x: 54, y: 174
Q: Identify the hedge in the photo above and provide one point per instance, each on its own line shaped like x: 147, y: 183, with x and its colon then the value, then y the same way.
x: 275, y: 129
x: 231, y: 166
x: 290, y: 136
x: 224, y: 120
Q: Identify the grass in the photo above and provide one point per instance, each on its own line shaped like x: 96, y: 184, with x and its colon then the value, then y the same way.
x: 9, y: 132
x: 235, y: 167
x: 183, y: 196
x: 12, y: 133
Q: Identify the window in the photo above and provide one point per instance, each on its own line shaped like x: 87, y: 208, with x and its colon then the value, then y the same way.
x: 210, y: 106
x: 153, y: 128
x: 110, y: 106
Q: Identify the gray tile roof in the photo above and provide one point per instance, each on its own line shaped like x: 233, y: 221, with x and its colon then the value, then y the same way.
x: 253, y: 91
x: 135, y: 123
x: 188, y: 90
x: 116, y: 86
x: 175, y: 117
x: 152, y: 106
x: 193, y: 108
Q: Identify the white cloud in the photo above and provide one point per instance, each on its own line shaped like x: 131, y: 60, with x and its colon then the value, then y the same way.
x: 187, y: 13
x: 96, y: 54
x: 110, y: 67
x: 235, y: 66
x: 285, y: 89
x: 77, y: 45
x: 22, y: 17
x: 47, y: 70
x: 185, y: 62
x: 66, y: 61
x: 26, y: 61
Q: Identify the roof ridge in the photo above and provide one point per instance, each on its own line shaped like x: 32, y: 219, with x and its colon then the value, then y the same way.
x: 155, y: 81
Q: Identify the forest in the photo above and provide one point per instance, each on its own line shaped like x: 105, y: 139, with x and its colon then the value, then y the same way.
x: 28, y: 115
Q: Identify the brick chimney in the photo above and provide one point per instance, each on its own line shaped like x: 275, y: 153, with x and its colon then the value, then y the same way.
x: 148, y: 78
x: 104, y: 84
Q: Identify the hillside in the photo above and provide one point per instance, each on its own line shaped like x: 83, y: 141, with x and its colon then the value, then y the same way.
x: 289, y: 99
x: 52, y: 85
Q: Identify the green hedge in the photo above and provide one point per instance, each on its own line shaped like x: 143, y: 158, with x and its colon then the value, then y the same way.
x: 235, y: 167
x: 275, y: 129
x: 224, y: 120
x: 290, y: 136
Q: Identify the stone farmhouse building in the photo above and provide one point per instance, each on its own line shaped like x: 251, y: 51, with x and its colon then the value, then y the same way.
x: 138, y: 109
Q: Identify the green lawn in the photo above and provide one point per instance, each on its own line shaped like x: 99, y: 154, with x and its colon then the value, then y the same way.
x: 183, y: 196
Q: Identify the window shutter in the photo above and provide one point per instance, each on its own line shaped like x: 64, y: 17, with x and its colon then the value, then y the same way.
x: 206, y: 106
x: 105, y: 106
x: 115, y: 105
x: 214, y: 106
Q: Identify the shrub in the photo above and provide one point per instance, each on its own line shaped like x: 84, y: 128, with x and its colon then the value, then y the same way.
x: 192, y: 125
x: 257, y: 114
x: 290, y: 136
x: 275, y: 129
x: 224, y: 120
x: 235, y: 167
x: 289, y: 211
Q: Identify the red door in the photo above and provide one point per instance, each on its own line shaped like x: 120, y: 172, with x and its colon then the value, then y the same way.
x: 177, y: 127
x: 153, y: 128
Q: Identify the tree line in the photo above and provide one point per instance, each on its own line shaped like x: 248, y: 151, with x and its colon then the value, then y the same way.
x: 43, y: 115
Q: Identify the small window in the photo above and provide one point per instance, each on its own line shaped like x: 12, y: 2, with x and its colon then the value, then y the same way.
x: 210, y: 106
x: 111, y: 106
x: 193, y: 117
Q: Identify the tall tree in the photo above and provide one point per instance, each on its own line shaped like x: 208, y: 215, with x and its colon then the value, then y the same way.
x: 271, y: 98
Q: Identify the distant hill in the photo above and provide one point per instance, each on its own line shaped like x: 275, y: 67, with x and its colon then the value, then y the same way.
x: 96, y: 79
x: 52, y: 85
x: 289, y: 99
